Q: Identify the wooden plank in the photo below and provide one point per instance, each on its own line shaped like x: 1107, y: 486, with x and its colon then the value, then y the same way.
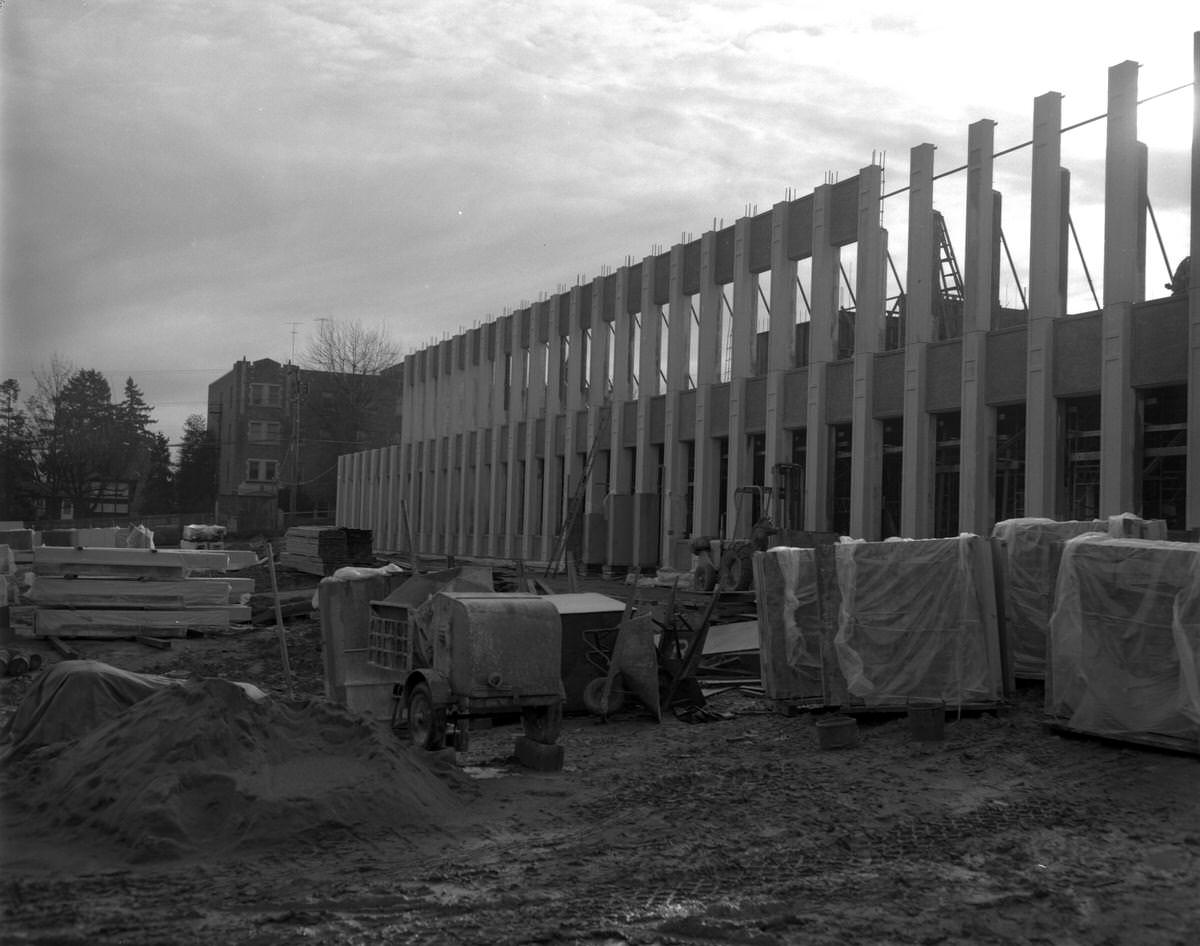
x: 240, y: 559
x: 125, y: 623
x: 180, y: 559
x: 114, y: 592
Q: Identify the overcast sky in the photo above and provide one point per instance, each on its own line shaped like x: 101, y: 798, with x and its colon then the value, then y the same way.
x: 188, y: 183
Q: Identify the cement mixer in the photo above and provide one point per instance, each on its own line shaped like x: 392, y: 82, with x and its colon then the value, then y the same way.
x: 472, y: 655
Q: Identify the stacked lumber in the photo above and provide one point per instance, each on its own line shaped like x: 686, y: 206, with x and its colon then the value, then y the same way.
x: 322, y: 550
x: 114, y: 593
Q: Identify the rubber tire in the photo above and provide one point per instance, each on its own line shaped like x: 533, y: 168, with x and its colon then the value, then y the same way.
x: 594, y: 692
x: 543, y: 723
x: 426, y: 723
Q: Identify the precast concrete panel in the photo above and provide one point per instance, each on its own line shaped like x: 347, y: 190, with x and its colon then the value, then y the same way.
x: 1006, y: 366
x: 1077, y: 355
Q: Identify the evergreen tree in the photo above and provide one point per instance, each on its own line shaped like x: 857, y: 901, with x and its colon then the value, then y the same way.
x: 196, y: 479
x: 156, y: 489
x: 80, y: 449
x: 18, y: 479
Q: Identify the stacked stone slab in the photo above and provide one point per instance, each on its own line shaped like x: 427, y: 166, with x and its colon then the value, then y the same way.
x: 911, y: 620
x: 1124, y: 641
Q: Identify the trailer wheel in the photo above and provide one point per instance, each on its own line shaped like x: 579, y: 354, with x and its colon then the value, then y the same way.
x: 543, y: 723
x: 426, y: 722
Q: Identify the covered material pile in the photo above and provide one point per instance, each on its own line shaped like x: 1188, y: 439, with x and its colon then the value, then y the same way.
x: 1124, y: 654
x: 322, y: 550
x: 214, y: 766
x: 1030, y: 550
x: 897, y: 621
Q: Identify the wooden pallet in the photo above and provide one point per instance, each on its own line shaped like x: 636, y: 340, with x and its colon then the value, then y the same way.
x: 49, y: 592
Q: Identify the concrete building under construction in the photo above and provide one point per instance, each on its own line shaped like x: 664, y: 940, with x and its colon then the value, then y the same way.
x: 623, y: 417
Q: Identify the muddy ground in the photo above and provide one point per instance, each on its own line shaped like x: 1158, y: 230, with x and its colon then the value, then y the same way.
x: 739, y: 830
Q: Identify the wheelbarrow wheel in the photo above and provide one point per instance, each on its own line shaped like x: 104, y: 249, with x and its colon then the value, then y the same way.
x: 426, y: 722
x: 737, y: 569
x: 593, y: 694
x: 543, y: 723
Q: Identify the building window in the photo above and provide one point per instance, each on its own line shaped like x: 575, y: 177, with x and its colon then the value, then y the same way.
x: 1082, y: 467
x: 1163, y: 469
x: 947, y: 457
x: 892, y: 475
x: 264, y: 431
x: 840, y: 493
x: 1010, y: 462
x: 261, y: 471
x: 266, y: 395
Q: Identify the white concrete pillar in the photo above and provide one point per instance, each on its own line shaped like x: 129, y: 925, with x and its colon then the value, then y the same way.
x: 1048, y: 243
x: 708, y: 373
x: 674, y: 513
x: 866, y: 469
x: 822, y: 350
x: 745, y: 329
x: 916, y: 511
x: 781, y: 335
x: 1124, y: 284
x: 975, y: 502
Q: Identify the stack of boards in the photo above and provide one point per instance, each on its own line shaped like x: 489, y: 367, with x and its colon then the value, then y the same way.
x: 322, y: 550
x: 115, y: 593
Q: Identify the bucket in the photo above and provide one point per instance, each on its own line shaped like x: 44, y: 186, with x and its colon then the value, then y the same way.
x: 837, y: 732
x: 927, y: 720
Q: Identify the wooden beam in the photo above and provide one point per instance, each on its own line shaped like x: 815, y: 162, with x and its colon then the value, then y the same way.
x: 125, y: 623
x: 180, y: 559
x: 115, y: 592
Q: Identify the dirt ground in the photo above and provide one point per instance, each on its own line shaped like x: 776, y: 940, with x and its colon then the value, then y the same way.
x: 739, y: 830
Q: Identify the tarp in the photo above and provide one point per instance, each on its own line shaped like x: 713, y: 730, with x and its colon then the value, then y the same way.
x: 73, y: 697
x: 1031, y: 549
x: 918, y: 621
x: 1124, y: 637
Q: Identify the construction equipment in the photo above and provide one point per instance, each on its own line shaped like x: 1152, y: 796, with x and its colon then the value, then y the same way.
x: 468, y: 655
x: 736, y: 571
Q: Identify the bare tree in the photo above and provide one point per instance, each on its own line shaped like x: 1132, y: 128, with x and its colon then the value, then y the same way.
x: 350, y: 348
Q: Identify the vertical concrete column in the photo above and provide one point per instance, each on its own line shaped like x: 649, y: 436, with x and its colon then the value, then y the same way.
x: 866, y: 468
x: 975, y: 503
x: 620, y: 526
x: 560, y: 492
x: 551, y: 499
x: 410, y: 434
x: 1193, y: 410
x: 384, y: 538
x: 647, y: 511
x: 1124, y: 284
x: 822, y: 348
x: 781, y: 333
x: 674, y: 513
x: 598, y: 402
x: 516, y: 447
x: 707, y: 479
x: 542, y: 403
x: 916, y: 511
x: 745, y: 325
x: 1048, y: 243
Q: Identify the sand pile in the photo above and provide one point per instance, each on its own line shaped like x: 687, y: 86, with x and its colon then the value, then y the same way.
x: 207, y: 767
